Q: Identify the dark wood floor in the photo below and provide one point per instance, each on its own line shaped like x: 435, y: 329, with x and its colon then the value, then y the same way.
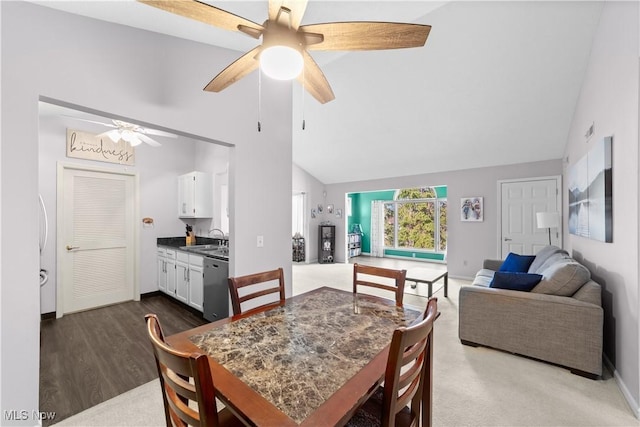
x: 89, y: 357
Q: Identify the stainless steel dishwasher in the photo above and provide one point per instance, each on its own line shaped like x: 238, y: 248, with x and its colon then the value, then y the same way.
x: 216, y: 289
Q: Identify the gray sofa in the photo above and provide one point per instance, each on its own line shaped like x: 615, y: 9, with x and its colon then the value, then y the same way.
x: 560, y: 321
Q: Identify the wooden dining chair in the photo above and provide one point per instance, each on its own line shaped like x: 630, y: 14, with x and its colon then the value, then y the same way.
x: 407, y: 379
x: 187, y: 386
x: 398, y: 276
x: 254, y: 280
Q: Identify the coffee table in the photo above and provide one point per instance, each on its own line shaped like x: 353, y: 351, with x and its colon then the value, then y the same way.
x: 428, y: 276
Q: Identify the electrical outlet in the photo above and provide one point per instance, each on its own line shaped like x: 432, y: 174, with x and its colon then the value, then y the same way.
x: 260, y: 241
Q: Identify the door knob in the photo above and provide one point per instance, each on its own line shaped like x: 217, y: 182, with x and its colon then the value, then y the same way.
x: 69, y: 247
x: 506, y: 239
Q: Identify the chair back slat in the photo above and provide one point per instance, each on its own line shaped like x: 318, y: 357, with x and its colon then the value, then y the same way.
x: 409, y: 370
x: 184, y: 378
x: 398, y: 276
x: 237, y: 283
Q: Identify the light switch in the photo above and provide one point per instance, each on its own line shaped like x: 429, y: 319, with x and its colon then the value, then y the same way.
x: 260, y: 241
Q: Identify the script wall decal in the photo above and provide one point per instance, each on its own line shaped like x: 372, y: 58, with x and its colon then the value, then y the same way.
x: 84, y: 145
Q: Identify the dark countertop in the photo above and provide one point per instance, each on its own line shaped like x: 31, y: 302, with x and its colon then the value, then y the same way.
x: 177, y: 242
x: 180, y: 244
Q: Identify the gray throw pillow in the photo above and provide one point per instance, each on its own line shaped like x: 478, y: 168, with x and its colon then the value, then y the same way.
x: 563, y: 278
x: 541, y: 257
x: 561, y: 257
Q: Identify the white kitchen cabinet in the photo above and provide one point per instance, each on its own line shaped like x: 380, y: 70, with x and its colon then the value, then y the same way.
x: 182, y: 277
x: 162, y: 274
x: 196, y: 282
x: 171, y: 271
x: 195, y: 195
x: 166, y: 270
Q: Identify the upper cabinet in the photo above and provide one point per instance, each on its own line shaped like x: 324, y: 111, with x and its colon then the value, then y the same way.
x: 195, y: 195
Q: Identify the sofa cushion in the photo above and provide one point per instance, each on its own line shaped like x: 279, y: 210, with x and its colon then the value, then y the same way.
x: 558, y: 257
x: 483, y: 278
x: 515, y: 281
x: 541, y: 257
x: 563, y: 278
x: 517, y: 263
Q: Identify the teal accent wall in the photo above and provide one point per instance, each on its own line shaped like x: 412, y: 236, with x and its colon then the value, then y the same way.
x: 361, y: 212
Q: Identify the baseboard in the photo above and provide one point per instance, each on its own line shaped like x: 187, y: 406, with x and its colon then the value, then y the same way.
x: 455, y: 276
x: 633, y: 405
x: 151, y: 294
x: 47, y: 316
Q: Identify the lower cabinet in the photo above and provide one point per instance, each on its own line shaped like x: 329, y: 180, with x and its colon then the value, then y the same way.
x: 167, y: 270
x: 195, y: 296
x: 180, y: 275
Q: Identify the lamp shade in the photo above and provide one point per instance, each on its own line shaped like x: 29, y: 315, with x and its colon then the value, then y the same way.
x: 548, y: 219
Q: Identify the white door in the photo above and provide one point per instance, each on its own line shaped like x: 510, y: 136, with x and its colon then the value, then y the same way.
x: 96, y: 249
x: 520, y: 201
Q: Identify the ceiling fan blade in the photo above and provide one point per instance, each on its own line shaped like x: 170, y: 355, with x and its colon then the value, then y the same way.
x: 148, y: 131
x: 93, y: 121
x: 314, y: 81
x: 296, y: 8
x: 204, y: 13
x: 114, y: 135
x: 368, y: 35
x: 235, y: 71
x: 145, y: 138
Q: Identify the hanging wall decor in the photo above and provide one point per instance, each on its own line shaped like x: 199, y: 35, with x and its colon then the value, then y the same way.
x: 591, y: 194
x: 471, y: 209
x: 88, y: 146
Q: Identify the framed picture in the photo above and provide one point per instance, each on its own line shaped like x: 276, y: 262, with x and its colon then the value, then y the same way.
x: 591, y: 194
x: 339, y: 213
x: 313, y: 213
x: 330, y: 208
x: 471, y: 209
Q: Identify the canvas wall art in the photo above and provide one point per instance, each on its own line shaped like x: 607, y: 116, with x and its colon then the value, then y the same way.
x: 590, y: 194
x: 471, y: 209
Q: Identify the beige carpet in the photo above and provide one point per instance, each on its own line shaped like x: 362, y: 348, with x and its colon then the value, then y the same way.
x: 472, y: 386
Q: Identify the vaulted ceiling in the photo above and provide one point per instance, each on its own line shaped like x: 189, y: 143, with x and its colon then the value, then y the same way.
x: 496, y: 82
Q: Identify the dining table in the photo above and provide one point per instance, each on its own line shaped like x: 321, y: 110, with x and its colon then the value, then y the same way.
x: 310, y: 360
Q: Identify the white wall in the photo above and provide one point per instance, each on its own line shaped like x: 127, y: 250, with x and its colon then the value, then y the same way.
x: 468, y: 243
x: 303, y: 182
x: 609, y: 99
x: 157, y: 79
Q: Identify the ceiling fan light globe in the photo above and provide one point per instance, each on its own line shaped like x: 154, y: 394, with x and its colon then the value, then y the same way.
x: 281, y: 62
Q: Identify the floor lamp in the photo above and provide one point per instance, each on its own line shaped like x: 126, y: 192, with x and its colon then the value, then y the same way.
x: 548, y: 220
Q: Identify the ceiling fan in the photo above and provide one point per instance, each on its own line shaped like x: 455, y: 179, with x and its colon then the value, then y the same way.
x: 129, y: 132
x: 283, y: 37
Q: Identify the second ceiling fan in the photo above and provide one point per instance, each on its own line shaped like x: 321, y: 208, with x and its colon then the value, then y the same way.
x: 283, y: 38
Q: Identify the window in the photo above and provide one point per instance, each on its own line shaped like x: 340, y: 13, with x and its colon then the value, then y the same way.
x: 297, y: 223
x: 416, y: 220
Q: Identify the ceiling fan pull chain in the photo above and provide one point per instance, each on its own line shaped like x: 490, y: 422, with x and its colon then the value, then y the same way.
x: 259, y: 99
x: 303, y: 91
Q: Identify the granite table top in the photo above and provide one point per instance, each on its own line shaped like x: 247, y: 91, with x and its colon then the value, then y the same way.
x: 297, y: 355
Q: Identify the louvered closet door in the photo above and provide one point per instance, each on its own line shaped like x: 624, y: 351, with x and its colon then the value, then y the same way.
x: 96, y: 247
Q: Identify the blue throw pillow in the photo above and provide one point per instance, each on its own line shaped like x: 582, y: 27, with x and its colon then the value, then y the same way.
x: 517, y: 263
x: 515, y: 281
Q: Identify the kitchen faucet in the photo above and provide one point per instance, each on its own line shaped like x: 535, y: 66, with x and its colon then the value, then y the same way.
x: 217, y: 229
